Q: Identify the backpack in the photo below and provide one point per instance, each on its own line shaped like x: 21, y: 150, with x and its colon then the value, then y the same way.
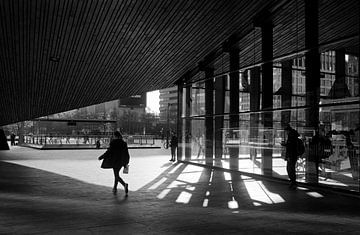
x: 300, y: 148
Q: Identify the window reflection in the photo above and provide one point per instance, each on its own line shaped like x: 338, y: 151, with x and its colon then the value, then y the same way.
x: 248, y: 146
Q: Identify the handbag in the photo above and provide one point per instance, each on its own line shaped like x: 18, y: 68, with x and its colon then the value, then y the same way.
x: 126, y: 169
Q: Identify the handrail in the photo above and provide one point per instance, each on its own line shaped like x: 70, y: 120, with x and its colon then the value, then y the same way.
x: 102, y: 140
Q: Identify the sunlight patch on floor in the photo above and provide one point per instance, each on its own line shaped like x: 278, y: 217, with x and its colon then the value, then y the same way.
x: 314, y: 194
x: 191, y: 174
x: 227, y: 176
x: 233, y: 204
x: 205, y: 202
x: 157, y: 184
x: 259, y: 193
x: 142, y: 170
x: 184, y: 197
x: 163, y: 193
x: 302, y: 188
x: 176, y: 168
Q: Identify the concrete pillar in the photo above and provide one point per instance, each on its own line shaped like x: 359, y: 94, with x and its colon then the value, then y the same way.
x: 286, y: 92
x: 267, y: 94
x: 312, y: 76
x: 21, y: 132
x: 187, y: 122
x: 179, y: 120
x: 219, y: 109
x: 254, y: 106
x: 234, y: 104
x: 209, y: 112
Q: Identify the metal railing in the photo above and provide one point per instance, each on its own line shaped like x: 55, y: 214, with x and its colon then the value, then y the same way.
x: 96, y: 140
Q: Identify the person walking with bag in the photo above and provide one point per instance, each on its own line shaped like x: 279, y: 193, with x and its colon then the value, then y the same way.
x: 116, y: 157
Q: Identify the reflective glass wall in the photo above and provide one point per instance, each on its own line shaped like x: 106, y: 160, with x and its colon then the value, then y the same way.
x: 254, y: 143
x: 321, y: 102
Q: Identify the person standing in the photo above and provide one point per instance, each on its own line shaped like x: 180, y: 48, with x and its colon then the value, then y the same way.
x: 200, y: 143
x: 116, y: 157
x: 12, y: 139
x: 173, y: 145
x: 291, y: 155
x: 319, y: 148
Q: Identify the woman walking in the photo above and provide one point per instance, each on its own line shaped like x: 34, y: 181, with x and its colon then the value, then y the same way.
x: 116, y: 157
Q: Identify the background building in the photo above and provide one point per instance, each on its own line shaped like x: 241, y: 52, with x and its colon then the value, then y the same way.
x: 169, y: 107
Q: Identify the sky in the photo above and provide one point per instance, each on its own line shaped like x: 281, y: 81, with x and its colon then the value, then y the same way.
x: 152, y: 101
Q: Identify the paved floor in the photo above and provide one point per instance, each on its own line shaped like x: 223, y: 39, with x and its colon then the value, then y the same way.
x: 66, y: 192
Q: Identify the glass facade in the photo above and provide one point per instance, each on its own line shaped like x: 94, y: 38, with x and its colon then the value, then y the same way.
x: 315, y: 101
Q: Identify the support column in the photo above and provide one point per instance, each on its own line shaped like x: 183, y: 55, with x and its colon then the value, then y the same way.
x: 188, y: 122
x: 267, y: 95
x: 286, y: 87
x: 219, y: 120
x: 312, y: 76
x: 234, y: 104
x: 209, y: 112
x: 286, y: 92
x: 179, y: 121
x: 21, y: 132
x: 254, y: 107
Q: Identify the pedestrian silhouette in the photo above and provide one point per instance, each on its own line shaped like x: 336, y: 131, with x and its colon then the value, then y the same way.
x: 291, y: 154
x: 12, y: 139
x: 116, y: 157
x: 173, y: 145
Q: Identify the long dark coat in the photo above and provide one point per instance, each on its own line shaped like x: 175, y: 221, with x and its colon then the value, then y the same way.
x: 291, y: 145
x: 116, y: 156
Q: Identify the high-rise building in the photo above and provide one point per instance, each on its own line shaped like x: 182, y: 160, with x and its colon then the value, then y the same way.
x: 168, y: 106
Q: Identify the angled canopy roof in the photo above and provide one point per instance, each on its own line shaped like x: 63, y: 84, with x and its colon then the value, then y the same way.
x: 61, y: 55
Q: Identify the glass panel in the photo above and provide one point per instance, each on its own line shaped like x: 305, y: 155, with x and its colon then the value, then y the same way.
x: 183, y: 103
x: 352, y: 74
x: 227, y: 95
x: 331, y: 149
x: 198, y: 99
x: 339, y: 120
x: 244, y: 96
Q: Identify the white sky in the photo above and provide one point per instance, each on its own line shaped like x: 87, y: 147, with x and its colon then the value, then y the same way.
x: 152, y: 101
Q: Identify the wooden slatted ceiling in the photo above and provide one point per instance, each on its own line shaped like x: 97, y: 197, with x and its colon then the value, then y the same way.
x: 113, y: 49
x: 338, y: 19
